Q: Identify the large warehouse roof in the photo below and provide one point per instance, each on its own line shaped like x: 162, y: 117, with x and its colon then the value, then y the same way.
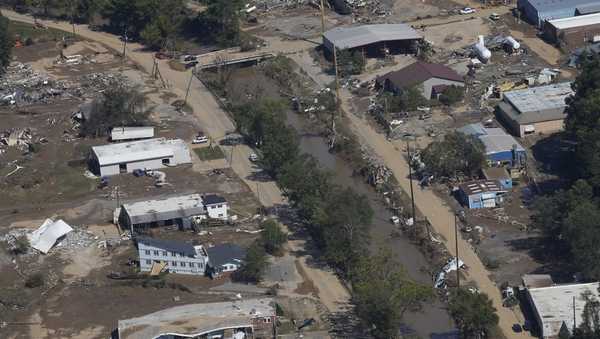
x: 352, y: 37
x: 576, y: 21
x: 554, y: 305
x: 137, y: 150
x: 539, y: 98
x: 551, y: 5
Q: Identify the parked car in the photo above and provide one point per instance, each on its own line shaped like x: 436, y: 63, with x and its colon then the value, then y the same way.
x: 187, y: 58
x: 494, y: 16
x: 467, y: 10
x: 253, y: 157
x: 200, y: 139
x: 517, y: 328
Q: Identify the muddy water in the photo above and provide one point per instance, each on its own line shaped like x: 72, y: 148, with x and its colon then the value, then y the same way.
x: 433, y: 318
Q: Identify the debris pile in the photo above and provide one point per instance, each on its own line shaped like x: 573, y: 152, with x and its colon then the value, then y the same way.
x: 78, y: 238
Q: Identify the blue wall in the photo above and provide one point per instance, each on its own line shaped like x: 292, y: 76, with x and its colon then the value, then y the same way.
x: 508, y: 156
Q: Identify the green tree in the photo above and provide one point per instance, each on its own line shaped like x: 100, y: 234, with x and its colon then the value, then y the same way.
x: 456, y: 154
x: 452, y: 95
x: 222, y: 21
x: 350, y: 62
x: 254, y: 264
x: 383, y: 293
x: 473, y: 313
x: 119, y: 105
x: 272, y: 236
x: 6, y: 44
x: 583, y: 121
x: 345, y: 227
x: 583, y: 233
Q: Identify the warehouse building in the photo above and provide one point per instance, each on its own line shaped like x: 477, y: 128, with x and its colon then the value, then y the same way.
x: 539, y: 11
x: 574, y: 32
x: 535, y: 110
x: 501, y: 149
x: 373, y: 39
x: 559, y: 306
x: 180, y: 211
x: 126, y: 157
x: 430, y: 79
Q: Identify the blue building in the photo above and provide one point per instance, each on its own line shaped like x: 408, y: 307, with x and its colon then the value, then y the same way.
x: 538, y: 11
x: 481, y: 194
x: 501, y: 148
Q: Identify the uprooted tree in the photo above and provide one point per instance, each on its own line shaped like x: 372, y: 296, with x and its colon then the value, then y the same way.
x: 119, y: 105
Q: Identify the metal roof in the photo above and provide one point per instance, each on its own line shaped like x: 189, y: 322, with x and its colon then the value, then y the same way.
x: 225, y: 253
x: 552, y: 5
x: 137, y: 150
x: 128, y: 133
x: 169, y: 245
x: 537, y: 280
x: 495, y: 140
x: 481, y: 186
x: 554, y: 305
x: 164, y: 209
x: 539, y: 98
x: 589, y: 8
x: 495, y: 173
x: 417, y: 73
x: 212, y: 199
x: 576, y: 21
x: 194, y: 320
x: 351, y: 37
x: 44, y: 238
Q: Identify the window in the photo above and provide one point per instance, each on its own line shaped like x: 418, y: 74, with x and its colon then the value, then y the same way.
x: 267, y: 320
x: 155, y: 252
x: 164, y: 253
x: 212, y: 207
x: 173, y: 254
x: 165, y: 161
x: 147, y: 252
x: 192, y: 264
x: 183, y: 264
x: 174, y: 263
x: 148, y: 262
x: 201, y: 265
x: 220, y: 215
x: 220, y: 206
x: 122, y: 168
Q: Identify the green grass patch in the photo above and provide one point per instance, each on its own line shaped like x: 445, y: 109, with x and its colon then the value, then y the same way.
x: 210, y: 153
x: 28, y: 31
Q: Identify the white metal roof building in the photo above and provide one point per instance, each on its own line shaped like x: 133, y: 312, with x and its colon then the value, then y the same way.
x: 131, y: 133
x: 574, y: 32
x: 536, y: 109
x: 363, y: 36
x: 233, y: 319
x: 540, y: 11
x: 576, y: 21
x: 553, y: 306
x: 144, y: 154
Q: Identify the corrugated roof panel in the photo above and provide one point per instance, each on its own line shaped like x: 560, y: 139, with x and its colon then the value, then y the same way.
x: 351, y: 37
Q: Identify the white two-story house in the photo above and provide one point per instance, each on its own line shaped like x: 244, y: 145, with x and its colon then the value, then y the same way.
x: 216, y: 206
x: 179, y: 257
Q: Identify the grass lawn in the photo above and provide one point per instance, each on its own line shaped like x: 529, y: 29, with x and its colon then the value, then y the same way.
x: 24, y: 31
x: 210, y: 153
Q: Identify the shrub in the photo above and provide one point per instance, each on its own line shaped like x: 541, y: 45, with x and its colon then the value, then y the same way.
x: 34, y: 280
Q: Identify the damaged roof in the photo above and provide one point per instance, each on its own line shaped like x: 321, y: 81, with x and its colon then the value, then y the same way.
x: 352, y: 37
x: 418, y: 73
x: 481, y: 186
x: 164, y: 209
x: 225, y: 253
x: 46, y: 236
x: 537, y: 104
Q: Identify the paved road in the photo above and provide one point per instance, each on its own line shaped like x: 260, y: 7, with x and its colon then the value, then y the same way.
x: 216, y: 123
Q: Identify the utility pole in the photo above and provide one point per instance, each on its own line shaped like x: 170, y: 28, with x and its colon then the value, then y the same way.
x: 187, y: 91
x: 456, y: 249
x: 337, y: 97
x: 322, y: 17
x: 574, y: 316
x: 124, y: 43
x: 412, y: 193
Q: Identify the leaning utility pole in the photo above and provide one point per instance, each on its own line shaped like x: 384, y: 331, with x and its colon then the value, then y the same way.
x: 412, y: 193
x: 338, y: 101
x: 187, y: 91
x: 456, y: 249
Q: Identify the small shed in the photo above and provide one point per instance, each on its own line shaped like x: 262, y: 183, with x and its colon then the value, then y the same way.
x: 499, y: 174
x: 481, y: 193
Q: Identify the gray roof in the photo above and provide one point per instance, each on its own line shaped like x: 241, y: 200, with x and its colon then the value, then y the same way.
x: 129, y: 133
x: 537, y: 104
x: 495, y: 140
x: 212, y: 199
x: 552, y: 5
x: 590, y: 8
x: 351, y: 37
x: 169, y: 245
x: 194, y: 320
x: 554, y: 305
x: 226, y: 253
x: 164, y: 209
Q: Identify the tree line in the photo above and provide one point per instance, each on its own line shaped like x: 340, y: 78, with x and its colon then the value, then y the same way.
x: 159, y: 24
x: 569, y: 218
x: 6, y: 44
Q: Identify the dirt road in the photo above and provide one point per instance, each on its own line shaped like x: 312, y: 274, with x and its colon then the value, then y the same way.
x: 216, y: 123
x: 438, y: 213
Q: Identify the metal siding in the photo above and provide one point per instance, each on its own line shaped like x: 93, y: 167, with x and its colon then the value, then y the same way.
x: 501, y: 156
x: 109, y: 170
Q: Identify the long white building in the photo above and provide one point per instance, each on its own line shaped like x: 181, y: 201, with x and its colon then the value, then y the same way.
x: 179, y: 257
x: 126, y: 157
